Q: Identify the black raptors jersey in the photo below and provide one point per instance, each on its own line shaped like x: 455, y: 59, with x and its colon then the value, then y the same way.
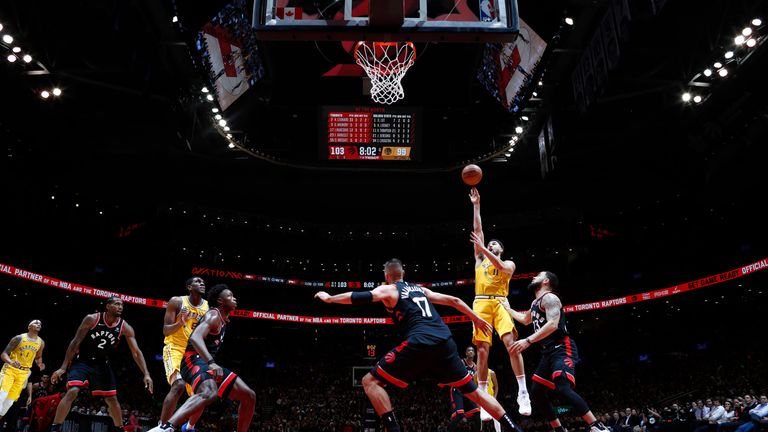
x: 214, y: 340
x: 417, y: 317
x: 539, y: 318
x: 472, y: 370
x: 101, y: 340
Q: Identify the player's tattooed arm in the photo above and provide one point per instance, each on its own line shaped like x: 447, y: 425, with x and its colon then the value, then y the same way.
x: 6, y: 355
x: 552, y: 306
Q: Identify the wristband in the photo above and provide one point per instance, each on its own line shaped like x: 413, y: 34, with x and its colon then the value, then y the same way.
x: 212, y: 361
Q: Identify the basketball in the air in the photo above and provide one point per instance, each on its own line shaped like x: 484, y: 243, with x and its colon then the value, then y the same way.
x: 471, y: 174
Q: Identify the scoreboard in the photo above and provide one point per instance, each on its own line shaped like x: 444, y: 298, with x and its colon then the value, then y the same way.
x: 370, y: 133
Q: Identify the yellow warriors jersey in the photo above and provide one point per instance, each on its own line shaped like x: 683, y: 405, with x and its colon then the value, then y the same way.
x: 491, y: 389
x: 195, y: 314
x: 26, y: 351
x: 491, y: 281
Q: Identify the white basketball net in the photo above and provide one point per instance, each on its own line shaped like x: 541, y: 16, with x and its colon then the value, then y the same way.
x: 385, y: 63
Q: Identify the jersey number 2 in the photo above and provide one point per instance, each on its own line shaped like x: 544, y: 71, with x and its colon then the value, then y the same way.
x: 421, y: 302
x: 103, y: 342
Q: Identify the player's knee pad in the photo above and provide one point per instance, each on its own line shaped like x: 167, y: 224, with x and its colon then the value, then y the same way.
x: 565, y: 389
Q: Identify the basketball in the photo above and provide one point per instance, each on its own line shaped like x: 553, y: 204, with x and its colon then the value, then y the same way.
x: 471, y: 174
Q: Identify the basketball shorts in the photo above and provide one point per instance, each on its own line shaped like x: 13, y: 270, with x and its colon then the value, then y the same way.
x: 494, y: 313
x: 410, y: 361
x: 194, y: 371
x: 97, y: 377
x: 13, y: 381
x: 559, y: 360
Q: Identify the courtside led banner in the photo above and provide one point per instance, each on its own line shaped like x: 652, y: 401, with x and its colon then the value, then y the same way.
x: 272, y: 316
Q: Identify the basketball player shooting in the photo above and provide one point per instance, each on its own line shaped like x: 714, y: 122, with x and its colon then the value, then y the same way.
x: 492, y: 275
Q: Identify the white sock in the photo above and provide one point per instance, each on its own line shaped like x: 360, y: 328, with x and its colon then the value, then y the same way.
x: 497, y: 425
x: 483, y: 385
x: 521, y: 386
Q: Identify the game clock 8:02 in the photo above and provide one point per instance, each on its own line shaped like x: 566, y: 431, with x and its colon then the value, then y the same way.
x: 369, y: 133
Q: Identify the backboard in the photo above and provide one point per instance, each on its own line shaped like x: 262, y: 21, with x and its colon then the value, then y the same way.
x: 382, y: 20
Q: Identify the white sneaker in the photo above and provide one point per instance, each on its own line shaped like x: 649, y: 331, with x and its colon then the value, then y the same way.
x: 525, y: 404
x: 599, y: 427
x: 484, y: 416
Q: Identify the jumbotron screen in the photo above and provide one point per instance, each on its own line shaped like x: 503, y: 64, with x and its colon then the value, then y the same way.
x: 370, y: 133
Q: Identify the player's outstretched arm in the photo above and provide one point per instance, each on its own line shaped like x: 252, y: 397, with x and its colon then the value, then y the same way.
x: 521, y: 317
x: 138, y: 356
x: 507, y: 266
x: 477, y: 225
x: 88, y: 322
x: 381, y: 293
x: 458, y: 304
x: 551, y: 305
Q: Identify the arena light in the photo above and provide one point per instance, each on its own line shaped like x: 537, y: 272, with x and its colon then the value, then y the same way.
x: 204, y: 89
x: 507, y: 154
x: 729, y: 54
x: 524, y: 118
x: 8, y: 39
x: 11, y: 58
x: 1, y: 27
x: 16, y: 50
x: 541, y: 83
x: 209, y: 97
x: 44, y: 94
x: 175, y: 19
x: 717, y: 65
x: 686, y: 97
x: 757, y: 22
x: 231, y: 145
x: 229, y: 136
x: 214, y: 110
x: 707, y: 72
x: 222, y: 122
x: 535, y: 94
x: 751, y: 43
x: 747, y: 31
x: 723, y: 72
x: 226, y: 128
x: 27, y: 58
x: 697, y: 99
x: 738, y: 40
x: 56, y: 91
x: 569, y: 21
x: 217, y: 116
x: 519, y: 129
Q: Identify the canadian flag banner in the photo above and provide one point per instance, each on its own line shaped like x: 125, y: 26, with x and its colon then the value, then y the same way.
x: 227, y: 64
x: 289, y: 13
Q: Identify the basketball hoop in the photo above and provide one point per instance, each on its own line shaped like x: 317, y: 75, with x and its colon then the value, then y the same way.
x: 385, y: 63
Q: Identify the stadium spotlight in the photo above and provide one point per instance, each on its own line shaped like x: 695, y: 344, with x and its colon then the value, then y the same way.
x: 723, y: 72
x: 751, y: 43
x: 697, y: 98
x: 757, y: 22
x: 686, y: 97
x: 8, y: 39
x: 44, y: 94
x: 519, y: 129
x: 56, y: 91
x: 569, y: 21
x: 707, y: 72
x: 747, y: 31
x: 27, y: 58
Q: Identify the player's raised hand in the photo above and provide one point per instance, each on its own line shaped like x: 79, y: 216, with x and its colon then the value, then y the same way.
x: 323, y: 296
x: 475, y: 239
x: 474, y: 196
x: 184, y: 315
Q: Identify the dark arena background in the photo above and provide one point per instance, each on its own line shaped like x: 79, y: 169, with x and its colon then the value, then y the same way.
x: 623, y: 145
